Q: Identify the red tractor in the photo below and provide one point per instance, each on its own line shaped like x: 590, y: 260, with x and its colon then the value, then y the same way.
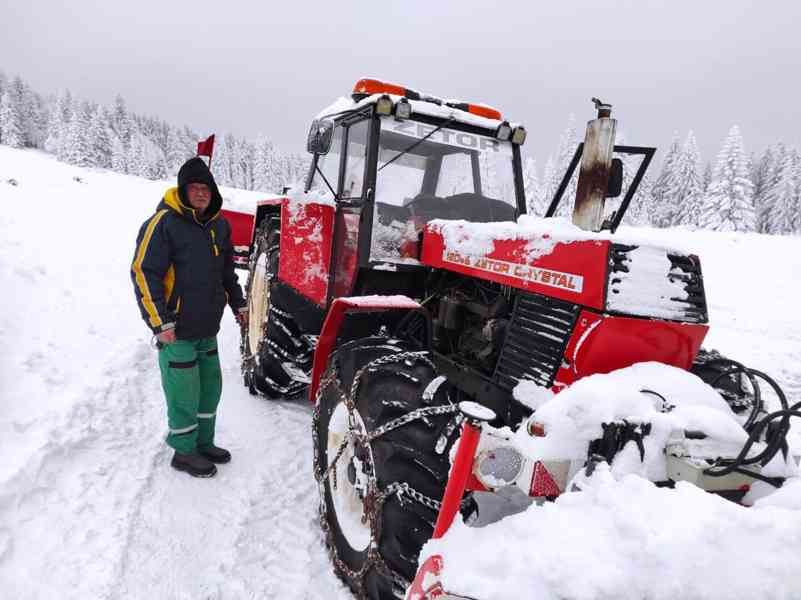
x: 399, y: 294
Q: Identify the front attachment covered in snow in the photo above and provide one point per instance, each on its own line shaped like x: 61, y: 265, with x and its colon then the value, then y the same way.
x: 650, y: 421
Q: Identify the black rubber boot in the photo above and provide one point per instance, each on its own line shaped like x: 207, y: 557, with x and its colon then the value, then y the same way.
x: 194, y: 464
x: 215, y: 454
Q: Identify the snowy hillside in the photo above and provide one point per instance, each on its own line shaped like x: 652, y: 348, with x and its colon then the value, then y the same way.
x: 89, y: 507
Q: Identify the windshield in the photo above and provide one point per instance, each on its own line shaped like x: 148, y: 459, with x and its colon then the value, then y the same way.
x: 449, y: 175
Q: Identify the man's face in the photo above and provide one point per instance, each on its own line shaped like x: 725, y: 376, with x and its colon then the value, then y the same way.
x: 199, y: 196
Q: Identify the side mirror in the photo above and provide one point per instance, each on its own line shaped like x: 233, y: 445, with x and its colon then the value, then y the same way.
x: 615, y: 184
x: 320, y: 135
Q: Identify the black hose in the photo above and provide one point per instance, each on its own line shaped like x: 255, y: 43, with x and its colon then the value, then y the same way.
x: 737, y: 367
x: 775, y: 441
x: 765, y: 456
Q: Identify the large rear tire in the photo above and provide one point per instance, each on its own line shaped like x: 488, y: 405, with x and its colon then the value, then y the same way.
x: 380, y: 497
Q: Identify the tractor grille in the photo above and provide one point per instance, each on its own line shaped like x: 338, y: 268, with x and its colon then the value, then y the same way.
x: 535, y: 340
x: 630, y: 287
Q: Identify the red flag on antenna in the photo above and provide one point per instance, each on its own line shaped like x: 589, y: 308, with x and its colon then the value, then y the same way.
x: 206, y: 147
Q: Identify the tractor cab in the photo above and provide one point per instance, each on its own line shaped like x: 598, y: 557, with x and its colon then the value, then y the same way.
x: 394, y: 159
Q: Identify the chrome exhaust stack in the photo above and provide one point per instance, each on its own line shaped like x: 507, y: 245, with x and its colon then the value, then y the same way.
x: 596, y: 167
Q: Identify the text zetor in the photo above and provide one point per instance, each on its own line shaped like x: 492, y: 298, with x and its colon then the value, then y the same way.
x: 404, y: 295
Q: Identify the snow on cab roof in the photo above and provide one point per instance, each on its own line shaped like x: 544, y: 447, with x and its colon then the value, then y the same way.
x: 418, y: 106
x: 367, y: 91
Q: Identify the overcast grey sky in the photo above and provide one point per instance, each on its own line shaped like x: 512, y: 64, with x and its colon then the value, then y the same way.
x: 269, y: 67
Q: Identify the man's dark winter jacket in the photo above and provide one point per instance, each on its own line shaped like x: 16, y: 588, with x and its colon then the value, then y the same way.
x: 183, y: 271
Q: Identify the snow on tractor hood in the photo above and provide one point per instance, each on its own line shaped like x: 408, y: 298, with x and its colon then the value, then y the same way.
x: 541, y: 235
x: 622, y: 273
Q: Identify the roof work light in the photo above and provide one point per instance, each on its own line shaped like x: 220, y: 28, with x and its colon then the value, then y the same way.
x: 504, y: 131
x: 403, y: 109
x: 519, y: 135
x: 383, y: 105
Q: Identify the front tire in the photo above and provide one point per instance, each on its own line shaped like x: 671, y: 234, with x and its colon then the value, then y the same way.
x: 380, y: 497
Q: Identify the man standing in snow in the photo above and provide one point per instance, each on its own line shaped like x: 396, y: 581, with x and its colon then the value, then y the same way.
x: 183, y: 276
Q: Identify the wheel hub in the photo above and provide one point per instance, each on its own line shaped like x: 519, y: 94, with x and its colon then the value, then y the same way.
x: 349, y: 480
x: 258, y: 303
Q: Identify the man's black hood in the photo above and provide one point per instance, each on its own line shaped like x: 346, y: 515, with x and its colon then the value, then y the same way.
x: 195, y: 171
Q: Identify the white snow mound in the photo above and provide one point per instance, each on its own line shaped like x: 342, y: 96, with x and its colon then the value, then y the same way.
x: 628, y: 539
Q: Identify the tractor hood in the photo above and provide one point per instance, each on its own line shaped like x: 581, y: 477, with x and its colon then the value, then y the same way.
x: 552, y: 257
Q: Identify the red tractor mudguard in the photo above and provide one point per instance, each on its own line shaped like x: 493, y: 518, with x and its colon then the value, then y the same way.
x: 243, y: 229
x: 333, y: 321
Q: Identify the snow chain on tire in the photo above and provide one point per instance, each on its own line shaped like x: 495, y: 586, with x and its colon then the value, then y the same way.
x: 375, y: 496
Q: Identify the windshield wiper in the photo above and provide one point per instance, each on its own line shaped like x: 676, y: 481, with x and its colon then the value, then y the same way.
x: 417, y: 143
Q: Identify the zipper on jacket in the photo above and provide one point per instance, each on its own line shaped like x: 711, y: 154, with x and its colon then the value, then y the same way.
x: 214, y: 243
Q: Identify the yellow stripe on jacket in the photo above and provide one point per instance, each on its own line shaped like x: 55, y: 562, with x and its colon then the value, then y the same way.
x: 141, y: 282
x: 169, y: 283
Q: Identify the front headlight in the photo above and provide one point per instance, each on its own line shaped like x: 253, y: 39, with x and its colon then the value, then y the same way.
x: 383, y: 105
x: 403, y: 109
x: 504, y: 131
x: 499, y: 467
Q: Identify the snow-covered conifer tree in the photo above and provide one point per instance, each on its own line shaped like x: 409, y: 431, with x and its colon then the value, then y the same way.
x: 706, y: 178
x: 177, y: 152
x: 119, y: 156
x: 780, y: 196
x: 121, y: 121
x: 689, y: 184
x: 763, y: 178
x: 12, y: 132
x: 728, y: 204
x: 666, y: 189
x: 568, y: 142
x: 262, y: 167
x: 547, y: 180
x: 535, y: 197
x: 639, y: 211
x: 100, y: 138
x: 795, y: 209
x: 78, y: 150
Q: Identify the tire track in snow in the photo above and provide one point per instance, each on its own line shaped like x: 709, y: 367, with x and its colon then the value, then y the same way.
x: 280, y: 551
x: 68, y: 507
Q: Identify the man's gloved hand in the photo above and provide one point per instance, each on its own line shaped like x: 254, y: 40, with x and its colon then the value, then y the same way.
x: 166, y: 337
x: 242, y: 317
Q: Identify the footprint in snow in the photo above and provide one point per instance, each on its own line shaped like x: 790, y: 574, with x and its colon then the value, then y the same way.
x: 21, y: 427
x: 6, y: 544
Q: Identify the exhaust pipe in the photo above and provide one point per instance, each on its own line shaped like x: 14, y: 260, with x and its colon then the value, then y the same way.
x: 596, y: 164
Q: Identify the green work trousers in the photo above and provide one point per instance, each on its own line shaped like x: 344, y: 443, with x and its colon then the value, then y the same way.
x: 192, y: 382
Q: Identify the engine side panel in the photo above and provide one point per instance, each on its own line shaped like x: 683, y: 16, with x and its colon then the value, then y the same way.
x: 575, y: 272
x: 603, y: 343
x: 307, y: 231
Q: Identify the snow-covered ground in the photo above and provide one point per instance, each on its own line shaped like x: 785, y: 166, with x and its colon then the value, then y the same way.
x: 89, y: 507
